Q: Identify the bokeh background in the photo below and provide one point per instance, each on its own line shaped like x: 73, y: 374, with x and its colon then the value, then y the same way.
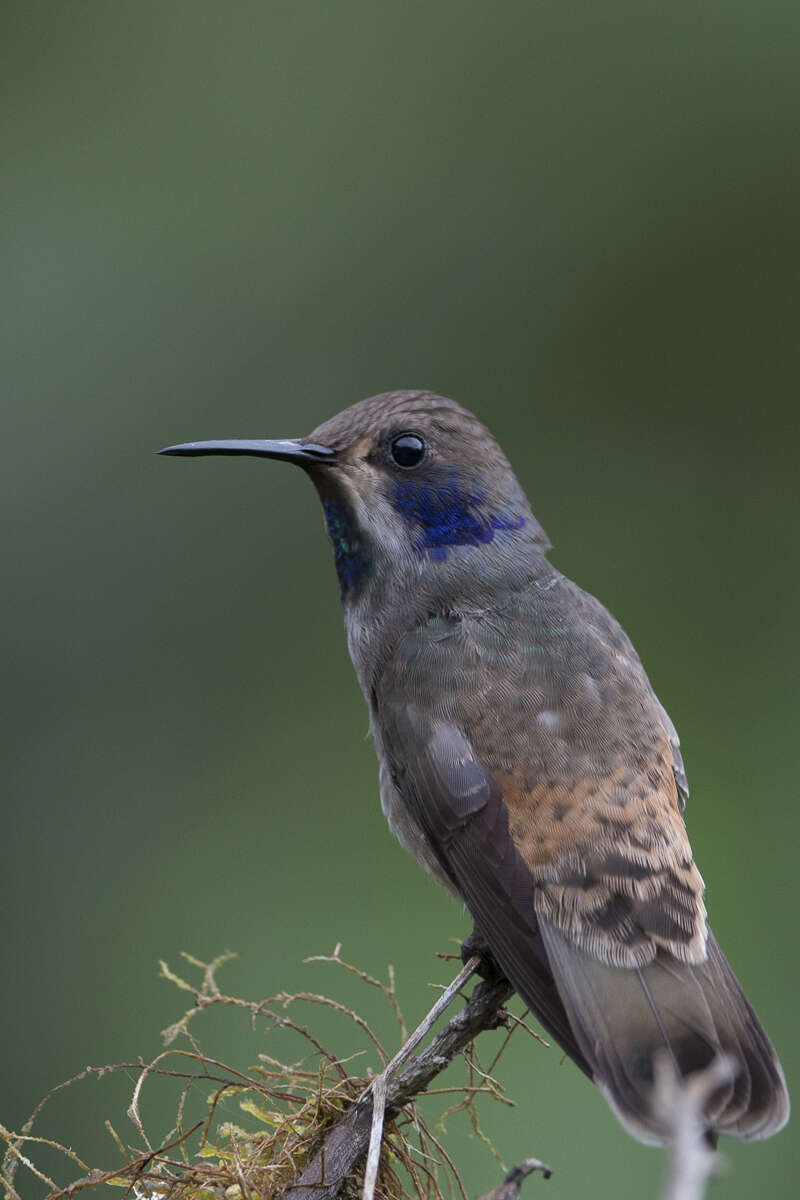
x: 580, y: 220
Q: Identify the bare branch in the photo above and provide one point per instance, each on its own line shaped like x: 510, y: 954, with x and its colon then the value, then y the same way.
x: 346, y: 1143
x: 509, y: 1188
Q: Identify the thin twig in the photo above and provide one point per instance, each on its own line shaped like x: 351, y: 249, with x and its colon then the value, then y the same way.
x: 679, y: 1105
x: 135, y: 1169
x: 380, y: 1083
x: 509, y: 1188
x: 376, y: 1135
x: 388, y: 990
x: 427, y: 1023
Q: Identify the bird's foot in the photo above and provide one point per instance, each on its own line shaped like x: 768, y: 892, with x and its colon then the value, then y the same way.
x: 477, y: 944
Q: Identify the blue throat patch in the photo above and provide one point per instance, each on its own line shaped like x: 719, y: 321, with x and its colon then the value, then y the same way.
x: 350, y: 551
x: 447, y: 515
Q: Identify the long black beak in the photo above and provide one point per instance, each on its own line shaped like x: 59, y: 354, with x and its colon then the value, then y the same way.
x: 288, y: 449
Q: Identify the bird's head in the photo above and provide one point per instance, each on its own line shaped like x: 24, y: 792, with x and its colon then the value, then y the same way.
x: 414, y: 489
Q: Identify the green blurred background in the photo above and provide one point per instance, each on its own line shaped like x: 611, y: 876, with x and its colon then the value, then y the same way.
x: 580, y: 220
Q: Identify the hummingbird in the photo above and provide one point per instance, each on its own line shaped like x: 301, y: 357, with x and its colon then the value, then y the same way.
x: 524, y: 758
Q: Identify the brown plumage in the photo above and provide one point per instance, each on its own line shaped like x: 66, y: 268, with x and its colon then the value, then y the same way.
x: 525, y: 758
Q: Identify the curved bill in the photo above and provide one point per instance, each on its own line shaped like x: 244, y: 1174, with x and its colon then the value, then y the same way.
x: 288, y: 449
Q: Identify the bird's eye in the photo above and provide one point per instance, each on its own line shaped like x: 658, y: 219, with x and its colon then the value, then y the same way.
x: 408, y: 450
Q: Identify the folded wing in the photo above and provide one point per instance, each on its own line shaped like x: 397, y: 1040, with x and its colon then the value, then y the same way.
x: 611, y: 1017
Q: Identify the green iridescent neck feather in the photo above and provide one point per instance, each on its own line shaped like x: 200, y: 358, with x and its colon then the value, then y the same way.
x: 351, y: 551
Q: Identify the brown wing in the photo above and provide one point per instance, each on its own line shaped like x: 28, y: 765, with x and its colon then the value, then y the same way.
x: 611, y: 860
x: 459, y: 807
x: 610, y: 1019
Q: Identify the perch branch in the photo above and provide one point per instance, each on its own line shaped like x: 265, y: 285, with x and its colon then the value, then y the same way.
x: 347, y: 1142
x: 380, y: 1084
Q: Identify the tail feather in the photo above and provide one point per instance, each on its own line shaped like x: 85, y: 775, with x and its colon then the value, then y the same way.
x: 623, y: 1017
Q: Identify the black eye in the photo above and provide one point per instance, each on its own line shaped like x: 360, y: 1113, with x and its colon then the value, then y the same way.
x: 408, y: 450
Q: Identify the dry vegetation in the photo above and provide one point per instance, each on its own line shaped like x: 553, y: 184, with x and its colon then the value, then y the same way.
x: 290, y: 1111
